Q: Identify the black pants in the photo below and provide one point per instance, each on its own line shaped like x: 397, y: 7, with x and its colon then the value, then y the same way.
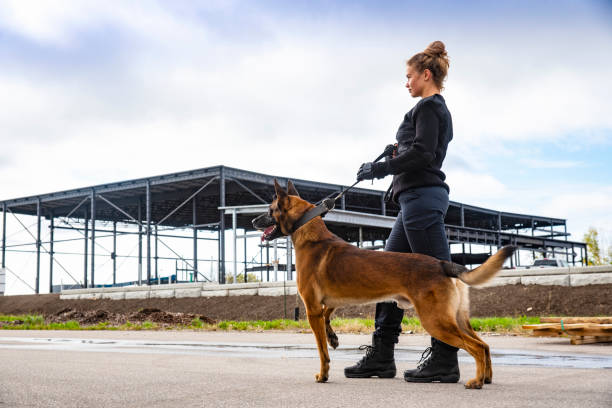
x: 419, y: 228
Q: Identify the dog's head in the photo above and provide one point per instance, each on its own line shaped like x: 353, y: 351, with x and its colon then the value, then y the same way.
x: 284, y: 211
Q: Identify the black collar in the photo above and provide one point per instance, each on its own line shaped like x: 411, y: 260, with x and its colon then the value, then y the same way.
x: 320, y: 210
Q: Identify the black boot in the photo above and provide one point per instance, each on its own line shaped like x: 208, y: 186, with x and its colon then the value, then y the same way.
x: 377, y: 362
x: 438, y: 363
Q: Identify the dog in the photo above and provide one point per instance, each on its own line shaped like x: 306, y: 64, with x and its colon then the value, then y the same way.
x: 332, y: 273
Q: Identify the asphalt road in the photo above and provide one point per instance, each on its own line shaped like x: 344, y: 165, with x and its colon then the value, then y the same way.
x: 220, y: 369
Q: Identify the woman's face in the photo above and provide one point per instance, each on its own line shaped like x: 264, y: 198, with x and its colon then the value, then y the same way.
x: 416, y: 81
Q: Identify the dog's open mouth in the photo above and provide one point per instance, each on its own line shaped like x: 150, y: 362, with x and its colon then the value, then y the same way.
x: 269, y: 233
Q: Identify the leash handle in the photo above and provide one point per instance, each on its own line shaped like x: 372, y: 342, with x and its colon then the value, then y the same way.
x: 387, y: 152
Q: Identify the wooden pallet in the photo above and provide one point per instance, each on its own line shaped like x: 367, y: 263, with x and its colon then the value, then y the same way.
x: 581, y: 330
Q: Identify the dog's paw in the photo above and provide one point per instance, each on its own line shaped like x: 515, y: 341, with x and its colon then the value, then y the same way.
x: 333, y: 341
x: 473, y: 384
x: 320, y: 378
x: 488, y: 380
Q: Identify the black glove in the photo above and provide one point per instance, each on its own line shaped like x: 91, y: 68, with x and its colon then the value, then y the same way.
x: 371, y: 170
x: 389, y: 149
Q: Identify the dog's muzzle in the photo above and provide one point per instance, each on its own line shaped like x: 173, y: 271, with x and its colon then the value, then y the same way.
x: 269, y: 226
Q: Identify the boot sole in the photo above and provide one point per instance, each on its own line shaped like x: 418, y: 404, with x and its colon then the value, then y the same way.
x: 379, y: 374
x: 435, y: 378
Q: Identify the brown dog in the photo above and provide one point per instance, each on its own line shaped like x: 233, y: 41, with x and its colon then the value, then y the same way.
x: 333, y: 273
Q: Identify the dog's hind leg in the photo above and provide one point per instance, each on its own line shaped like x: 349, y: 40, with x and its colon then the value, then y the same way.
x: 332, y: 339
x: 314, y: 312
x: 439, y: 320
x: 463, y: 320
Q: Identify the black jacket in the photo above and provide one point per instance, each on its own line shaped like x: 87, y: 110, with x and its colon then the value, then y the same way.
x: 422, y: 140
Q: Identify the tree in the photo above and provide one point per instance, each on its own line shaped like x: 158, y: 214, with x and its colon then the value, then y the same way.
x: 591, y: 239
x: 240, y: 278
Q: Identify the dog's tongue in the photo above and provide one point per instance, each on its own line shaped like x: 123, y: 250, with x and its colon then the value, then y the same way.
x: 266, y: 233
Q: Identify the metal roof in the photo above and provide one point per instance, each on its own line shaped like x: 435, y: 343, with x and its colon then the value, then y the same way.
x: 242, y: 188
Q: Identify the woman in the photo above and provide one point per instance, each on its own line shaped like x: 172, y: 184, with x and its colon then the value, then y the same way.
x: 422, y: 194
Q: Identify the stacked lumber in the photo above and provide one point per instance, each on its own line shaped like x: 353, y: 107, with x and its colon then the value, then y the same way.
x: 581, y: 330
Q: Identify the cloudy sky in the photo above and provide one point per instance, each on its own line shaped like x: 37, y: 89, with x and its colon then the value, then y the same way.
x: 101, y: 91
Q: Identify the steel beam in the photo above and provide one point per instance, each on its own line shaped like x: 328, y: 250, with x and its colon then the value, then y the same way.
x: 51, y: 251
x: 86, y: 220
x: 139, y: 241
x: 160, y: 222
x: 234, y: 221
x: 275, y: 260
x: 247, y: 189
x: 289, y: 267
x: 93, y: 237
x: 245, y: 258
x: 38, y: 215
x: 4, y: 235
x: 221, y: 245
x: 156, y: 258
x: 148, y: 203
x: 114, y: 254
x: 195, y: 240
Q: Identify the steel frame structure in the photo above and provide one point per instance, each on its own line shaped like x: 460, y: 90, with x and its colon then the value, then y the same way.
x: 221, y: 196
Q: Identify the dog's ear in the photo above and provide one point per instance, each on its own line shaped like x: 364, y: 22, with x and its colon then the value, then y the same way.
x: 280, y: 192
x: 291, y: 190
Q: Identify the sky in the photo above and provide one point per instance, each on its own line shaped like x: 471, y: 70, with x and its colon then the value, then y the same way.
x: 101, y: 91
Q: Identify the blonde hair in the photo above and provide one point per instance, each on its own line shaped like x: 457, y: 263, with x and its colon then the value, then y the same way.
x: 435, y: 59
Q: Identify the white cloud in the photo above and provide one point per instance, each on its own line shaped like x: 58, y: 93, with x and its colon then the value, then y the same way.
x: 308, y: 99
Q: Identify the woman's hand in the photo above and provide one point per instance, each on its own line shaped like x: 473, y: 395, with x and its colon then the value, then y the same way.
x: 371, y: 170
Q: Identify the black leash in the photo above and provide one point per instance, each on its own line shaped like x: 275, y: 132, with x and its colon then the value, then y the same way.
x: 328, y: 203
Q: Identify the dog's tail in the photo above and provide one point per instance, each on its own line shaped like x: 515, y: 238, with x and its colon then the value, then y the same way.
x: 484, y: 272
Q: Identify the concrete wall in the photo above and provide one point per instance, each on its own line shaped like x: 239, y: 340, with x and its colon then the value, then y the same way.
x: 592, y: 275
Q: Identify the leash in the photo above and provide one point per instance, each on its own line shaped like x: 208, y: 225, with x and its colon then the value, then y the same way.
x: 328, y: 203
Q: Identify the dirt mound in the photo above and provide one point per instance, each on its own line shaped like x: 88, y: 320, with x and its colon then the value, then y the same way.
x: 510, y: 300
x: 159, y: 316
x: 153, y: 315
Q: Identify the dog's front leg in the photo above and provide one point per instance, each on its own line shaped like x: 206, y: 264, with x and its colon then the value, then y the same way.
x: 332, y: 339
x: 317, y: 324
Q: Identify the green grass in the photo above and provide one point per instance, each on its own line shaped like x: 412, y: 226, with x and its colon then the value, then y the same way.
x: 501, y: 324
x: 341, y: 325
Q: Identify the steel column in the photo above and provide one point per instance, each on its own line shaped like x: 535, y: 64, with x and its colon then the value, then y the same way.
x: 498, y: 230
x: 38, y: 246
x: 275, y: 261
x: 148, y: 204
x: 86, y: 220
x: 360, y: 243
x: 245, y: 257
x: 195, y: 241
x: 139, y: 241
x: 93, y: 237
x: 156, y: 258
x: 267, y: 262
x: 4, y: 235
x: 114, y: 254
x: 234, y: 215
x: 289, y: 269
x: 383, y: 204
x: 51, y: 230
x: 221, y: 226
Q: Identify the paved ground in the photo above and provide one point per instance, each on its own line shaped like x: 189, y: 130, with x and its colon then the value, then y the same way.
x: 210, y: 369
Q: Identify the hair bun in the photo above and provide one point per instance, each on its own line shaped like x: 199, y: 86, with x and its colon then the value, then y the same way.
x: 436, y: 49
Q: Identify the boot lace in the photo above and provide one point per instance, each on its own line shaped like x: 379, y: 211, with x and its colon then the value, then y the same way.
x: 370, y: 350
x: 425, y: 358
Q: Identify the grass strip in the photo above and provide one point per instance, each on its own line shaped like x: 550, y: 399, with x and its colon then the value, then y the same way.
x: 505, y: 325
